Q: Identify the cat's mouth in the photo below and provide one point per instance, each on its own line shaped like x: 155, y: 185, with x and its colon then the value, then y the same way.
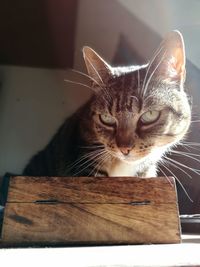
x: 131, y: 157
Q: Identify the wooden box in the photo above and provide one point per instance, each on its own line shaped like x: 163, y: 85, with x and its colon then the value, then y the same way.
x: 87, y: 210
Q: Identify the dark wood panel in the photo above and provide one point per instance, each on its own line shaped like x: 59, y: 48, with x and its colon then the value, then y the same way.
x: 37, y: 32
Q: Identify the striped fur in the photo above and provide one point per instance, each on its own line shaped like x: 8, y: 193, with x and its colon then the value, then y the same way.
x: 87, y: 146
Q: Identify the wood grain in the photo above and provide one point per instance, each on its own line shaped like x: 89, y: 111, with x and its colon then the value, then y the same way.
x: 57, y: 210
x: 91, y: 189
x: 118, y: 223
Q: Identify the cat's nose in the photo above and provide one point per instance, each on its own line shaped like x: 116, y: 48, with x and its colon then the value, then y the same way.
x: 125, y: 150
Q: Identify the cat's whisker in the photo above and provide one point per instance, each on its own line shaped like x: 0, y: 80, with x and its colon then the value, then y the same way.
x: 113, y: 154
x: 135, y: 97
x: 138, y: 78
x: 178, y: 180
x: 101, y: 163
x: 146, y: 98
x: 190, y: 147
x: 89, y: 156
x: 106, y: 158
x: 150, y: 77
x: 89, y: 162
x: 92, y: 155
x: 82, y: 158
x: 77, y: 162
x: 186, y: 147
x: 149, y: 66
x: 177, y: 167
x: 95, y: 70
x: 190, y: 143
x: 92, y: 147
x: 197, y: 171
x: 186, y: 155
x: 86, y: 75
x: 165, y: 175
x: 79, y: 83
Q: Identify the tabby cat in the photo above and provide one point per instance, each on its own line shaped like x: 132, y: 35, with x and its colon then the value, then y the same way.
x: 135, y: 115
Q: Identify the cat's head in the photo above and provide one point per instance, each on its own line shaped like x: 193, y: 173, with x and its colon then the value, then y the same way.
x: 140, y: 111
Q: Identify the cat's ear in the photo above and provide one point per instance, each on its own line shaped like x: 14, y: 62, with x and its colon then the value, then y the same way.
x: 169, y: 59
x: 98, y: 69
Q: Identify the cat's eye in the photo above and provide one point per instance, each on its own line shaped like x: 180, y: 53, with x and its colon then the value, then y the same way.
x: 107, y: 119
x: 150, y: 117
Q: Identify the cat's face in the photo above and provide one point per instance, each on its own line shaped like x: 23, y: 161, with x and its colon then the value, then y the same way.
x: 140, y: 111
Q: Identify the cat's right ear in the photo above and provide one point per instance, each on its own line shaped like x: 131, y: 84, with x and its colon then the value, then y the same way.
x: 98, y: 69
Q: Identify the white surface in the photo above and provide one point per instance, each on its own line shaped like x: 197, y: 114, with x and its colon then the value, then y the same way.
x: 123, y: 256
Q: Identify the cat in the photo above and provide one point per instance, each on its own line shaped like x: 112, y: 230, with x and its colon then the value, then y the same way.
x: 135, y: 115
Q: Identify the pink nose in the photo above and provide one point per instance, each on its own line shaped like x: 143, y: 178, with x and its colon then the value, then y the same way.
x: 125, y: 150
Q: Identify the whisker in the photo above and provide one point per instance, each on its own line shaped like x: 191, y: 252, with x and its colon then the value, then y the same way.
x: 190, y: 147
x: 92, y: 146
x: 84, y: 157
x: 165, y: 176
x: 93, y: 154
x: 149, y: 66
x: 78, y: 83
x: 183, y: 165
x: 90, y: 162
x: 94, y: 167
x: 100, y: 164
x: 95, y: 70
x: 138, y: 88
x: 185, y: 191
x: 174, y: 165
x: 146, y: 98
x: 86, y: 75
x: 186, y: 147
x: 135, y: 97
x: 191, y: 143
x: 150, y: 77
x: 186, y: 155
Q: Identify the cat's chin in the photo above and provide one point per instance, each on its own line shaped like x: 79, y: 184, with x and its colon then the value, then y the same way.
x: 131, y: 160
x: 154, y: 155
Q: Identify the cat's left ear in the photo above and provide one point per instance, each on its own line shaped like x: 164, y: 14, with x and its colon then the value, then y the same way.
x: 97, y: 67
x: 170, y: 58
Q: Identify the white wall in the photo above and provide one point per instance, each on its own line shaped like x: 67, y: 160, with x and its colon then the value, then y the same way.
x: 100, y: 25
x: 163, y: 16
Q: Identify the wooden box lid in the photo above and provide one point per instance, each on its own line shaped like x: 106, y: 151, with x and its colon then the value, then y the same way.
x: 90, y: 210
